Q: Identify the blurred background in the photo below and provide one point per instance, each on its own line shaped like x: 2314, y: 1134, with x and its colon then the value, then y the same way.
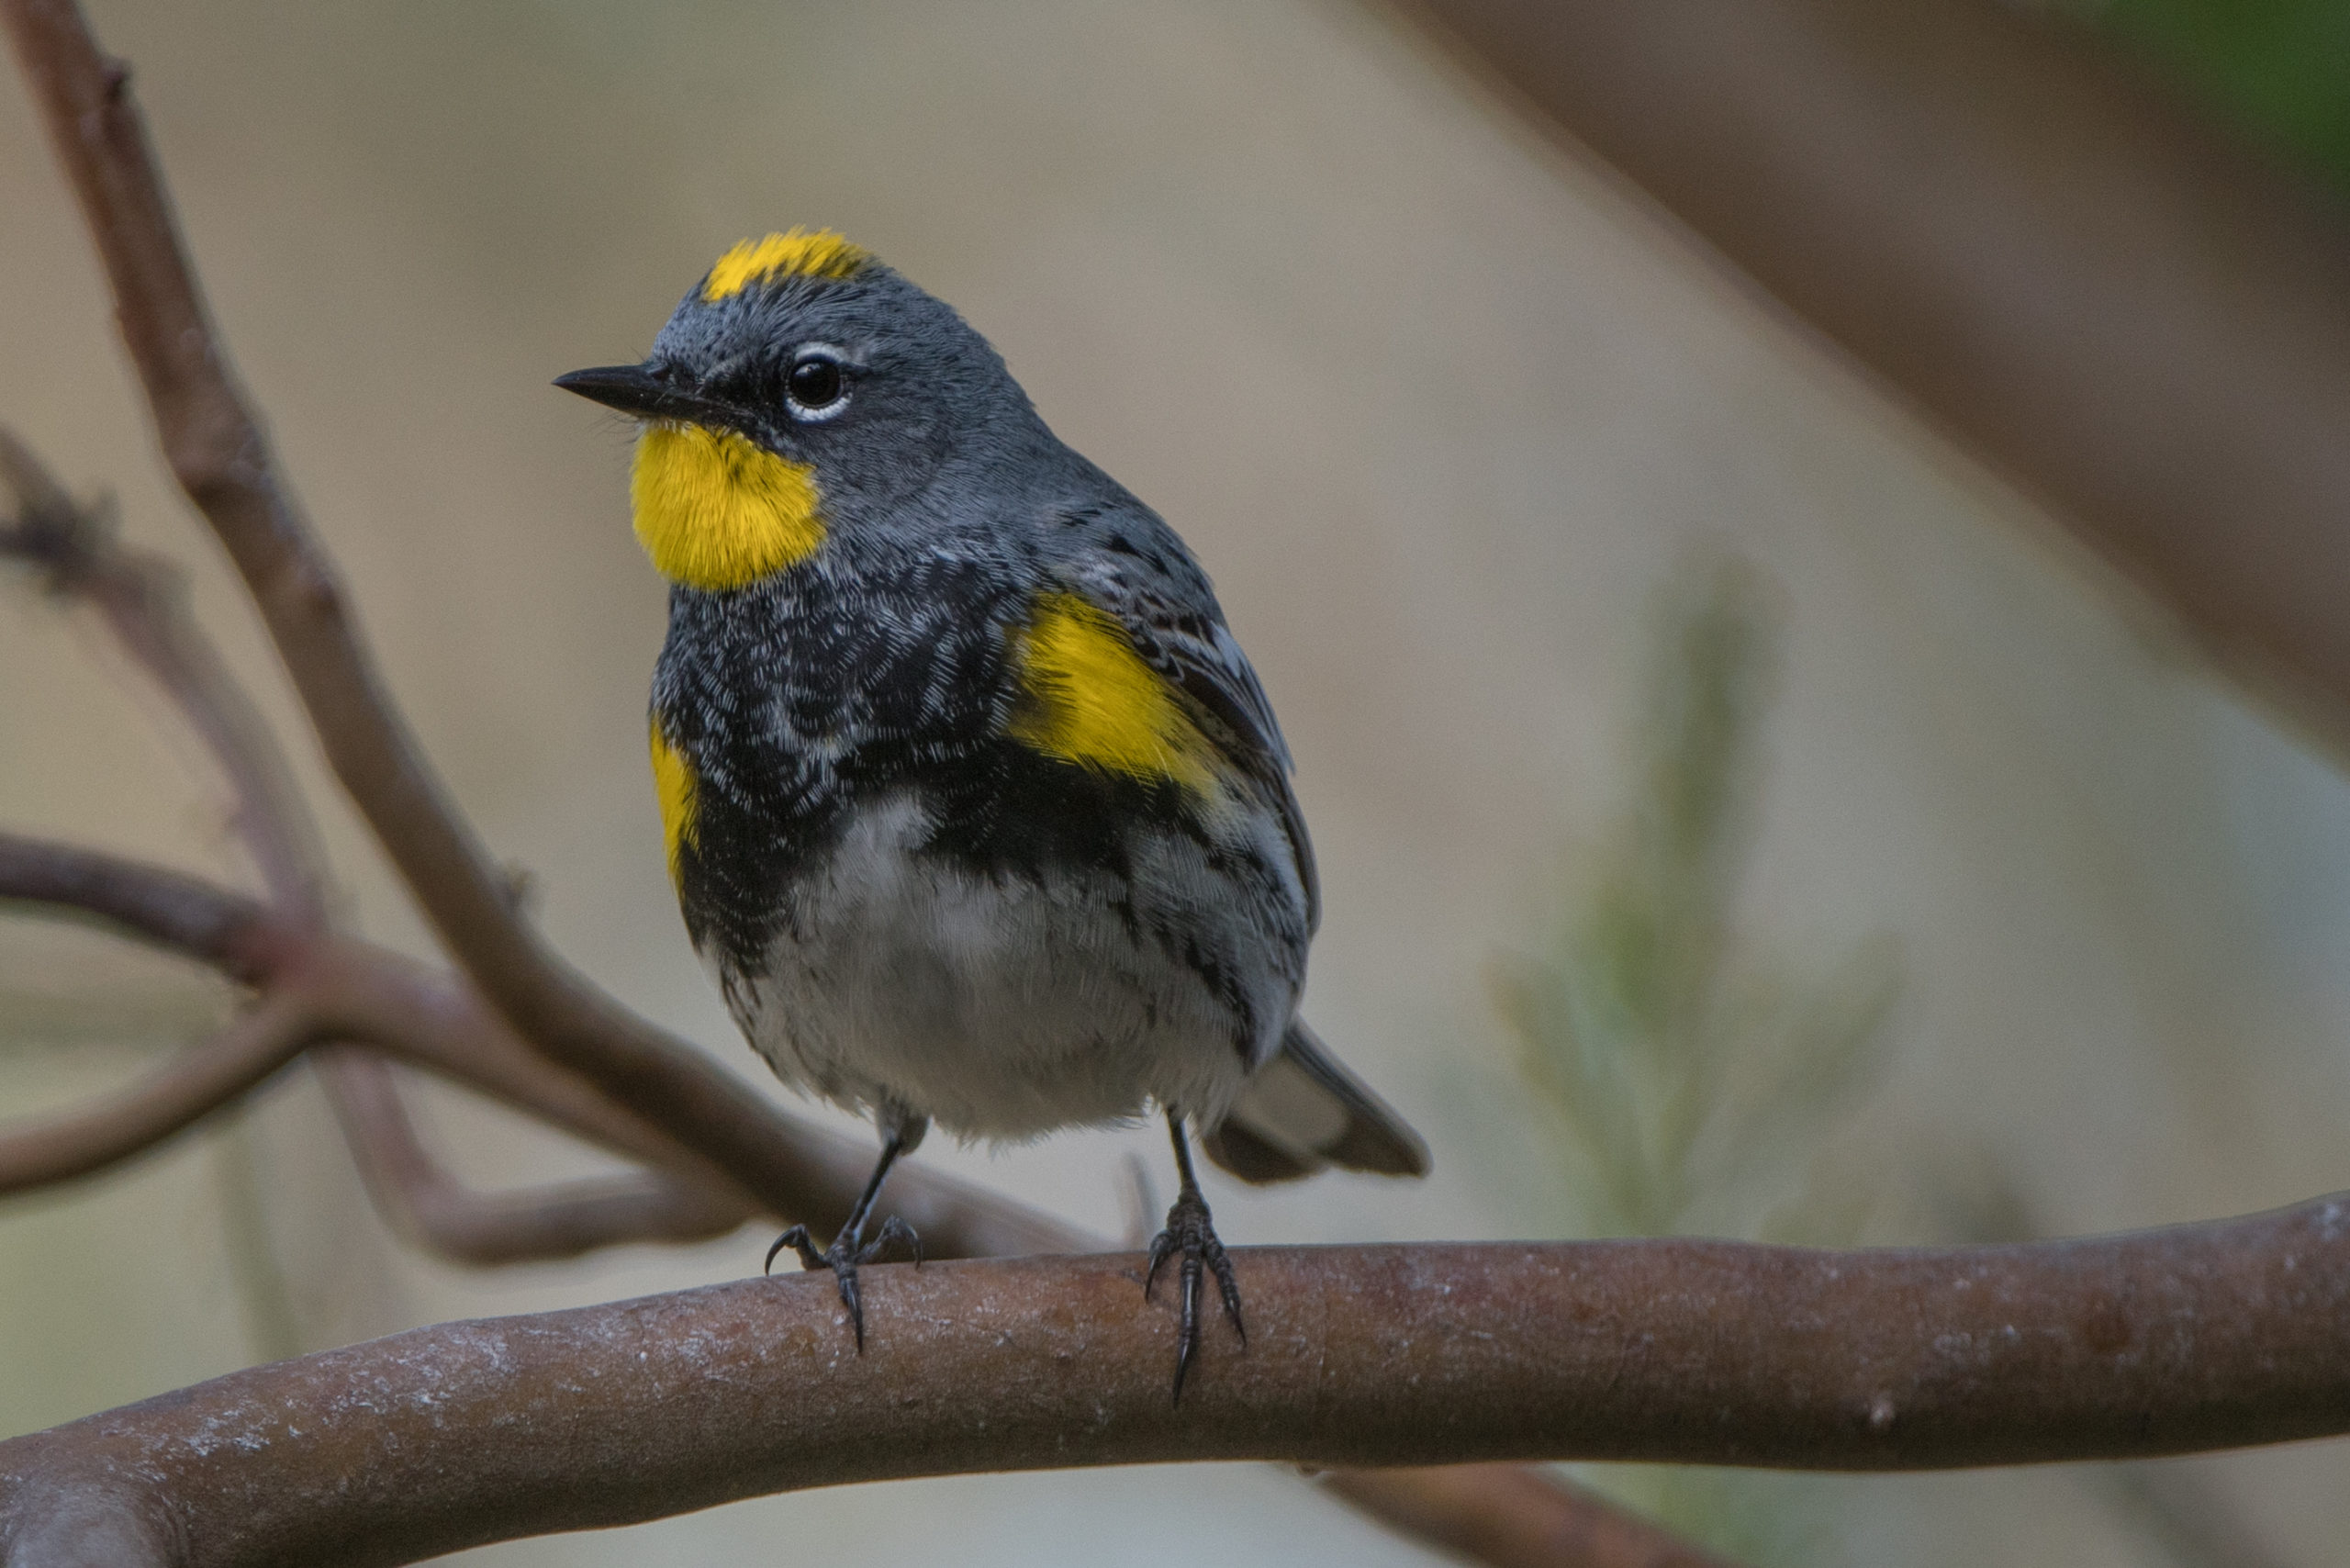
x: 1739, y: 811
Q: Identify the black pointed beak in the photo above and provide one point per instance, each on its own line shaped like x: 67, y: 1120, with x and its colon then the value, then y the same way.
x: 643, y: 391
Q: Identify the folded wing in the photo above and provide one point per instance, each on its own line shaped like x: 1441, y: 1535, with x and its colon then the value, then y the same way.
x: 1302, y: 1112
x: 1171, y: 618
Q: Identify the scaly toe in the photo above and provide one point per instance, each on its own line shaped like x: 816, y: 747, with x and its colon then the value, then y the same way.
x: 892, y: 1229
x: 1191, y: 1231
x: 842, y: 1257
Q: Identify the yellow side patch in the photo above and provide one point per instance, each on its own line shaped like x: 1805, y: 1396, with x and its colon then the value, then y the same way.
x: 1088, y: 698
x: 716, y: 511
x: 675, y: 787
x: 798, y: 253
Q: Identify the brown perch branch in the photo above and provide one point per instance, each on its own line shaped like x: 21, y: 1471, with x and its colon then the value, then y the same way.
x: 1688, y: 1352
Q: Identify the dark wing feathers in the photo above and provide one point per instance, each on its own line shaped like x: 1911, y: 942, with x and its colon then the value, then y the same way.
x: 1176, y: 626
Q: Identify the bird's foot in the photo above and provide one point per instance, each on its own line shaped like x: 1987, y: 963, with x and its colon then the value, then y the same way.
x: 1191, y: 1232
x: 843, y: 1257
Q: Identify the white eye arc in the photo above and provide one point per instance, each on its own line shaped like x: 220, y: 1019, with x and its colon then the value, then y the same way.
x: 816, y: 387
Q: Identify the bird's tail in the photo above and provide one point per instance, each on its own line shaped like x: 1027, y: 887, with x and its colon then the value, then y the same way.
x: 1302, y: 1111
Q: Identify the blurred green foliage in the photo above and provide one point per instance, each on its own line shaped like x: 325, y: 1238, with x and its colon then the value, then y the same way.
x: 2280, y: 67
x: 1694, y: 1073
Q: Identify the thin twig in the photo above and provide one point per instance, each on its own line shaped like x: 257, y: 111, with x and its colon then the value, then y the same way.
x: 430, y: 1207
x: 196, y: 1083
x: 143, y: 599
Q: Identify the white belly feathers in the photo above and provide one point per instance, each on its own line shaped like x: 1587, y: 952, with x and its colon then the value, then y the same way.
x: 1005, y: 1007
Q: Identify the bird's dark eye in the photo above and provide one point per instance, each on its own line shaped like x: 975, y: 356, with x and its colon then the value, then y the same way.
x: 814, y: 385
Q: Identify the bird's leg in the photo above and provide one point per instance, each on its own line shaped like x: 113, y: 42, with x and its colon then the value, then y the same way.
x: 850, y: 1248
x: 1191, y: 1231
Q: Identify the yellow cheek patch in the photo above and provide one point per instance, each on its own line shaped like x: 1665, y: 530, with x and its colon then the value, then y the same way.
x: 799, y: 253
x: 1088, y: 698
x: 675, y: 786
x: 716, y: 511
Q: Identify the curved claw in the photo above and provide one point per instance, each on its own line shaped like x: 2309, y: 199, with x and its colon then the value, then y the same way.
x: 797, y: 1238
x: 892, y: 1229
x: 1229, y: 1288
x: 842, y: 1257
x: 1162, y: 1247
x: 1191, y: 1231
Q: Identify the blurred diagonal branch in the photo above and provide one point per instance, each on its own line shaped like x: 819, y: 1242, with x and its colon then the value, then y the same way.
x: 2137, y: 318
x: 200, y: 1081
x: 142, y: 599
x: 428, y: 1206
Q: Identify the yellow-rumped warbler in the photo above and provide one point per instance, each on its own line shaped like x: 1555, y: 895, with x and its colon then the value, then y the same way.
x: 974, y: 806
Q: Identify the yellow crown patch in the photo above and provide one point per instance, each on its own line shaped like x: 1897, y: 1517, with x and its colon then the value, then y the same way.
x: 800, y: 252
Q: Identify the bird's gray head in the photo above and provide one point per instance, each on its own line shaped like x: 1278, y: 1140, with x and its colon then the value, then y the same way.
x: 800, y: 387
